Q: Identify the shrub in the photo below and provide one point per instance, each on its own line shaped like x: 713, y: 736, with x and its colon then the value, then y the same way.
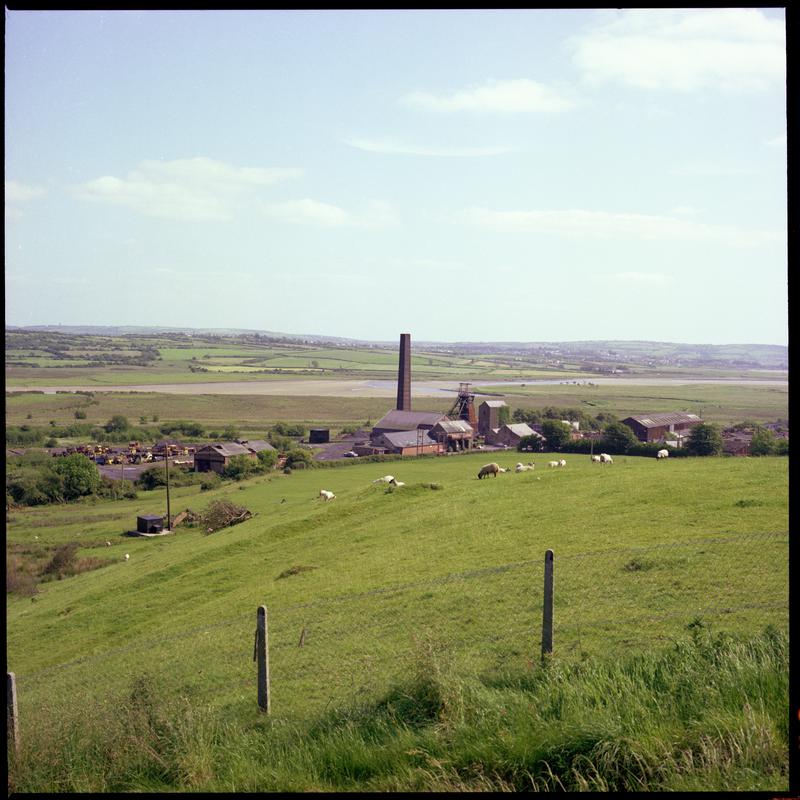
x: 299, y: 459
x: 210, y: 481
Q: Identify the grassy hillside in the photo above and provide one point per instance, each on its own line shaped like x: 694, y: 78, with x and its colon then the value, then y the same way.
x: 645, y: 552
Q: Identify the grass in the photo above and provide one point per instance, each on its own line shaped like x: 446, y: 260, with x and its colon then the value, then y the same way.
x: 706, y: 714
x: 454, y: 570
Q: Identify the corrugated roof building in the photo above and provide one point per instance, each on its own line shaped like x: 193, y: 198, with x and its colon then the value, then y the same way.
x: 397, y: 420
x: 406, y: 443
x: 658, y: 427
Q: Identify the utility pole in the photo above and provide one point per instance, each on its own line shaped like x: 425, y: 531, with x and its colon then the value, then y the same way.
x: 166, y: 467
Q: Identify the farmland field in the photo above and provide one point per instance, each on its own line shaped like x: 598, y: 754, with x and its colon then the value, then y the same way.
x: 446, y: 558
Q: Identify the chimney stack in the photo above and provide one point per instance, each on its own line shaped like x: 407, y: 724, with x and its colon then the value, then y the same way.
x: 404, y: 374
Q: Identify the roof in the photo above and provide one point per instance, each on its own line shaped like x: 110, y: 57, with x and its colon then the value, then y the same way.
x: 656, y: 420
x: 454, y: 426
x: 522, y: 429
x: 409, y: 420
x: 408, y: 439
x: 256, y: 445
x: 226, y: 449
x: 494, y: 403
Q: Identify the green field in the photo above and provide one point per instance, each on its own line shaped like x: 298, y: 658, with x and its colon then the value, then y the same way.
x: 644, y: 550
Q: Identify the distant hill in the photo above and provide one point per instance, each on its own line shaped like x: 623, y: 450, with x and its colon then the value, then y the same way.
x: 597, y: 352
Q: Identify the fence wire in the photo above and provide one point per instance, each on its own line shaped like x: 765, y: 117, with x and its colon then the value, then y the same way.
x: 361, y: 645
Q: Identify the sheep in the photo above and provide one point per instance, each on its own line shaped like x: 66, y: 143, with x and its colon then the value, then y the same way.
x: 553, y: 463
x: 326, y: 495
x: 384, y: 479
x: 605, y: 458
x: 126, y: 556
x: 662, y: 454
x: 523, y: 467
x: 596, y: 459
x: 108, y: 544
x: 562, y: 462
x: 489, y: 469
x: 398, y: 484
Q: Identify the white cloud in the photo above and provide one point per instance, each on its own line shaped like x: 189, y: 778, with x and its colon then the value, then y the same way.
x: 376, y: 214
x: 685, y: 50
x: 508, y: 96
x: 397, y: 148
x: 21, y: 192
x: 193, y: 189
x: 604, y: 224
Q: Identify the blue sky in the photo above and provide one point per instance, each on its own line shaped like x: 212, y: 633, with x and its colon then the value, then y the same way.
x: 528, y: 175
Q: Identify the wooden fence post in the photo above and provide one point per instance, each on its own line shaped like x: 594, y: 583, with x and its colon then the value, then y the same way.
x: 12, y: 714
x: 547, y: 608
x: 262, y: 656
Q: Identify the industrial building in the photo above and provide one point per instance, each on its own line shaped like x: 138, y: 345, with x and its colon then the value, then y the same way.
x: 408, y: 432
x: 489, y: 415
x: 511, y: 434
x: 661, y: 427
x: 216, y: 456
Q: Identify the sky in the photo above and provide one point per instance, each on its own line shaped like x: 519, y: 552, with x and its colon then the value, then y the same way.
x: 474, y: 175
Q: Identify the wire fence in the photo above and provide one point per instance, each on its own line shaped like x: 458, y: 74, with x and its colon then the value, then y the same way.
x: 360, y: 645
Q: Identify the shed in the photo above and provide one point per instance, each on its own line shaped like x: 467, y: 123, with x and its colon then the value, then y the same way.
x: 150, y: 523
x: 657, y: 427
x: 453, y: 434
x: 511, y: 434
x: 407, y: 443
x: 319, y: 435
x: 215, y: 457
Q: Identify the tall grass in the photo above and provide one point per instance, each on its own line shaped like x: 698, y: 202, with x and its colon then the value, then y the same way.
x: 708, y: 713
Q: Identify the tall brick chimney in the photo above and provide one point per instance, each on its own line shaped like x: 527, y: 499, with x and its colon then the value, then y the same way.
x: 404, y: 374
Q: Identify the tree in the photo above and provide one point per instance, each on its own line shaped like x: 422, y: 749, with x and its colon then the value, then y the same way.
x: 79, y: 476
x: 618, y: 438
x: 763, y: 442
x: 298, y: 459
x: 267, y: 458
x: 503, y: 415
x: 704, y: 440
x: 239, y: 467
x: 556, y: 433
x: 116, y: 424
x: 530, y: 443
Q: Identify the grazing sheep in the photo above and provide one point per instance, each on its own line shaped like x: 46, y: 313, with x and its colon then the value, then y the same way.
x: 596, y: 459
x: 108, y: 544
x: 662, y: 454
x: 126, y: 556
x: 489, y: 469
x: 605, y: 458
x: 384, y: 479
x: 552, y: 463
x: 523, y: 467
x: 326, y: 495
x: 562, y: 462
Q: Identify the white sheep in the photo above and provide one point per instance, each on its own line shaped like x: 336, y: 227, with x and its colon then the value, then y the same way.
x: 384, y: 479
x: 596, y: 459
x: 326, y: 495
x: 562, y: 462
x: 126, y: 556
x: 523, y: 467
x: 662, y: 454
x: 605, y: 458
x: 108, y: 544
x: 552, y: 463
x: 397, y: 483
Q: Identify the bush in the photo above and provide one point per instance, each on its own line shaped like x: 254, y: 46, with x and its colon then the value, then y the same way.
x: 282, y: 429
x: 116, y: 424
x: 210, y: 481
x: 299, y: 459
x: 704, y: 440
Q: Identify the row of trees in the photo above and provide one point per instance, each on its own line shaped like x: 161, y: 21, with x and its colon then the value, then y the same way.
x: 618, y: 439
